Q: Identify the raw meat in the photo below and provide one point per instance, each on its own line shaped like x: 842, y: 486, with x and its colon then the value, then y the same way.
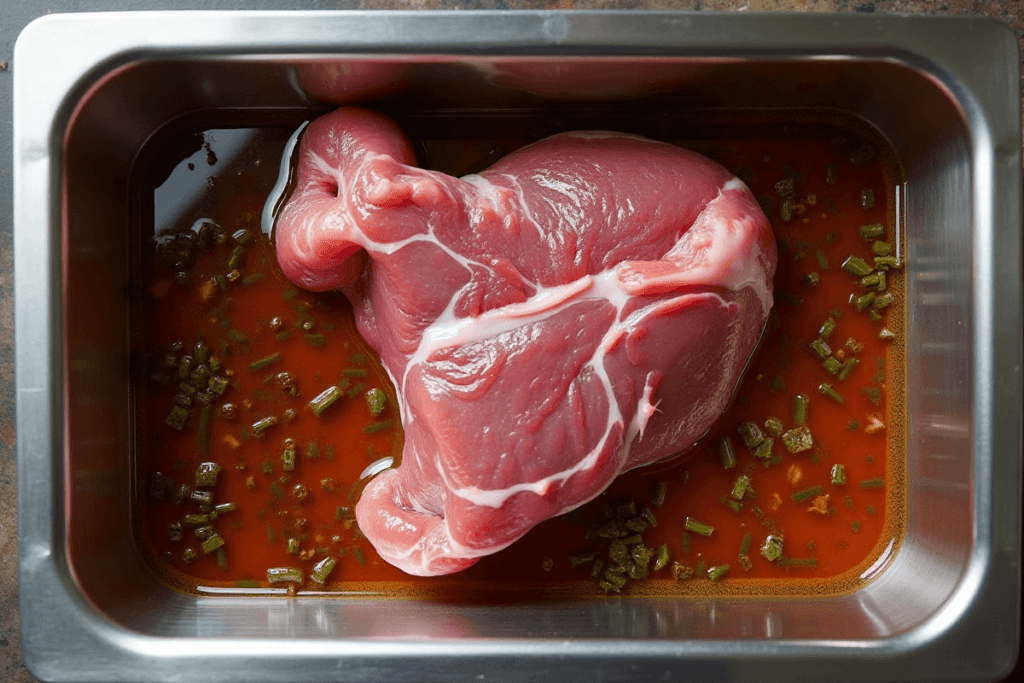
x: 585, y: 306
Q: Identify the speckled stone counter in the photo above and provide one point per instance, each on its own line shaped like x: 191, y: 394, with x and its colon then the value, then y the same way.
x: 13, y: 18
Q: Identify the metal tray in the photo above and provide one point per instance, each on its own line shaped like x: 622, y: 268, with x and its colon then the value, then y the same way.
x: 90, y: 90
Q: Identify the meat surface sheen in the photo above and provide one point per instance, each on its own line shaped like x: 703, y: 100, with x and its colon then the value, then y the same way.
x: 585, y: 306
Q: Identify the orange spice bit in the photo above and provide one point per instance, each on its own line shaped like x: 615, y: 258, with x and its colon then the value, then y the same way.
x: 776, y: 502
x: 207, y: 290
x: 874, y: 425
x: 794, y: 474
x: 232, y: 441
x: 820, y: 505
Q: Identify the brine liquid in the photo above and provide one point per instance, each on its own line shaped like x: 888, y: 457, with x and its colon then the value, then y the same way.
x: 297, y: 518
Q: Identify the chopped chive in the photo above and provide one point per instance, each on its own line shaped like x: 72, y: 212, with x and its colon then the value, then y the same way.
x: 235, y: 258
x: 764, y: 449
x: 324, y: 400
x: 880, y: 248
x: 831, y: 365
x: 745, y: 543
x: 288, y: 459
x: 375, y: 427
x: 237, y: 337
x: 786, y: 210
x: 315, y: 339
x: 201, y: 497
x: 871, y: 280
x: 820, y: 348
x: 174, y: 531
x: 284, y: 575
x: 203, y: 532
x: 867, y: 198
x: 798, y: 439
x: 357, y: 553
x: 885, y: 334
x: 212, y: 543
x: 863, y: 301
x: 241, y: 236
x: 800, y: 405
x: 811, y: 279
x: 848, y: 365
x: 886, y: 262
x: 637, y: 525
x: 204, y: 432
x: 827, y: 328
x: 221, y: 281
x: 873, y: 394
x: 771, y: 549
x: 745, y: 562
x: 718, y: 571
x: 649, y: 517
x: 357, y: 358
x: 726, y: 453
x: 751, y: 434
x: 189, y: 555
x: 312, y: 450
x: 774, y: 426
x: 739, y: 487
x: 322, y: 569
x: 206, y: 474
x: 871, y: 231
x: 777, y: 386
x: 875, y: 483
x: 831, y: 174
x: 289, y: 293
x: 293, y: 546
x: 224, y: 507
x: 855, y: 526
x: 822, y: 261
x: 734, y: 505
x: 253, y: 278
x: 870, y: 509
x: 883, y: 300
x: 353, y: 392
x: 856, y: 266
x: 264, y: 362
x: 260, y: 426
x: 376, y: 399
x: 275, y: 490
x: 355, y: 372
x: 838, y: 475
x: 809, y: 562
x: 827, y: 390
x: 217, y: 384
x: 177, y: 418
x: 660, y: 491
x: 803, y: 495
x: 698, y: 527
x: 582, y: 558
x: 686, y: 542
x: 661, y: 557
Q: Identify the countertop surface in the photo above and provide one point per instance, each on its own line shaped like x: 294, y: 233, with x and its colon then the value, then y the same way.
x: 16, y: 15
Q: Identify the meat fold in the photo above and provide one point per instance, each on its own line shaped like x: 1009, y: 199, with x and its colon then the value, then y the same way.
x: 583, y: 307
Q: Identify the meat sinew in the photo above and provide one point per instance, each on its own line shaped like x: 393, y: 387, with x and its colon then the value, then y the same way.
x: 585, y: 306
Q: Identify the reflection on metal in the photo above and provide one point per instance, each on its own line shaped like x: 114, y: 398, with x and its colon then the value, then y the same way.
x: 881, y: 563
x: 285, y: 182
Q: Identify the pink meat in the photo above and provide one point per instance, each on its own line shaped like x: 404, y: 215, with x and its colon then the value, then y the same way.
x: 585, y: 306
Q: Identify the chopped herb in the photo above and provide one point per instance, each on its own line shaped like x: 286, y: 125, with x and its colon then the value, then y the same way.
x: 264, y: 362
x: 582, y: 558
x: 764, y: 449
x: 649, y: 517
x: 827, y: 390
x: 275, y: 490
x: 870, y: 509
x: 811, y: 279
x: 698, y: 527
x: 660, y: 491
x: 856, y: 266
x: 820, y: 348
x: 284, y: 575
x: 206, y: 474
x: 745, y: 563
x: 253, y: 278
x: 875, y: 483
x: 177, y: 418
x: 726, y: 453
x: 212, y: 543
x: 871, y: 231
x: 790, y: 299
x: 324, y: 400
x: 838, y: 475
x: 771, y: 549
x: 237, y: 337
x: 375, y: 427
x: 867, y: 198
x: 739, y: 487
x: 355, y: 372
x: 681, y: 572
x: 376, y: 400
x: 855, y: 526
x: 751, y: 434
x: 809, y: 562
x: 798, y: 439
x: 873, y: 394
x: 745, y: 543
x: 827, y: 328
x: 848, y: 365
x: 831, y: 174
x: 803, y: 495
x: 822, y: 261
x: 322, y: 569
x: 777, y: 386
x: 774, y: 426
x: 661, y: 557
x: 353, y: 392
x: 718, y: 571
x: 357, y: 553
x: 288, y: 459
x: 886, y: 262
x: 260, y: 426
x: 883, y: 300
